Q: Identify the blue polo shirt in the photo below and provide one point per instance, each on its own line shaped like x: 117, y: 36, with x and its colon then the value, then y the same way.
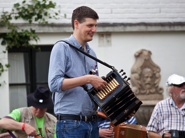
x: 66, y: 61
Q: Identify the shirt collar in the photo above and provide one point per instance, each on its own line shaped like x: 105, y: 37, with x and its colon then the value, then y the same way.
x: 173, y: 104
x: 183, y: 107
x: 74, y: 42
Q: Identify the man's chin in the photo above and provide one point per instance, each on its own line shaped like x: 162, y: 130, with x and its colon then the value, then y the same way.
x: 90, y: 39
x: 39, y: 116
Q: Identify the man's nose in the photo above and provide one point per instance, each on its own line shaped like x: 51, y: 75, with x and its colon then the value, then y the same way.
x: 94, y: 28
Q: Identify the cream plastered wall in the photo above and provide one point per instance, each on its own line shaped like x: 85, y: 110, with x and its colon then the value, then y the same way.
x: 118, y: 49
x: 168, y: 51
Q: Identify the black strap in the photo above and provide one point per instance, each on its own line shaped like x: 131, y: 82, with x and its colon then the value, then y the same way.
x: 94, y: 58
x: 11, y: 134
x: 163, y: 135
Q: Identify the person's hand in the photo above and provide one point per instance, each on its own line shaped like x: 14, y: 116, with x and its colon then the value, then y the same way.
x: 130, y: 115
x: 166, y: 135
x: 29, y: 130
x: 97, y: 82
x: 106, y: 133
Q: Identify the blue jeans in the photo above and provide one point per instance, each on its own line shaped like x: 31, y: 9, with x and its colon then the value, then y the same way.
x: 77, y: 129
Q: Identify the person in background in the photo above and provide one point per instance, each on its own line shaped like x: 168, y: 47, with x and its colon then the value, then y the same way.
x: 69, y: 70
x: 34, y: 120
x: 105, y: 128
x: 169, y: 114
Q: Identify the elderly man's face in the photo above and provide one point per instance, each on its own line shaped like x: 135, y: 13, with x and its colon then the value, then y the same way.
x: 180, y: 91
x: 39, y: 112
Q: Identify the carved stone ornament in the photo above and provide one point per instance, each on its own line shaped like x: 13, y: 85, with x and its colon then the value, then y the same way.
x: 145, y: 77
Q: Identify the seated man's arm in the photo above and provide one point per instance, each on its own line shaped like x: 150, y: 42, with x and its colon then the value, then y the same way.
x: 153, y: 135
x: 10, y: 124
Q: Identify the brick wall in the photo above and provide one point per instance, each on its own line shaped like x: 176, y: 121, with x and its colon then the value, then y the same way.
x: 121, y: 11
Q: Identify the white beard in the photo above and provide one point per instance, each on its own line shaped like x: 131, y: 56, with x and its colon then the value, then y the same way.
x: 182, y: 95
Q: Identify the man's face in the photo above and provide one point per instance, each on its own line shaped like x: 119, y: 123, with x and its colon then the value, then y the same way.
x: 86, y: 29
x: 39, y: 112
x: 180, y: 91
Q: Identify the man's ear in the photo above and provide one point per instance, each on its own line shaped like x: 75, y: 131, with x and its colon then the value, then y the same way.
x: 76, y: 23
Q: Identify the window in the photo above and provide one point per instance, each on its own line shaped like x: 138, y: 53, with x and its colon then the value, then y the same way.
x: 28, y: 69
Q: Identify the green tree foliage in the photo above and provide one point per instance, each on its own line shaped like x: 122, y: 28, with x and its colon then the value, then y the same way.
x: 31, y: 12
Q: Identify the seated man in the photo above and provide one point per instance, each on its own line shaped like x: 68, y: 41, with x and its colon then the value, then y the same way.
x: 105, y: 128
x: 169, y: 114
x: 35, y: 115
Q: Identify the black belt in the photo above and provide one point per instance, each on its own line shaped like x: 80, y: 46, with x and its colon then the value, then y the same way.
x: 76, y: 117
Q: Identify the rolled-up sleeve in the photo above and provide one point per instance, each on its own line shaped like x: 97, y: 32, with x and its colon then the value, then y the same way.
x: 57, y: 67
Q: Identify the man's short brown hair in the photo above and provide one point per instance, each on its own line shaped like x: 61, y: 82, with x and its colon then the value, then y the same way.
x: 83, y: 12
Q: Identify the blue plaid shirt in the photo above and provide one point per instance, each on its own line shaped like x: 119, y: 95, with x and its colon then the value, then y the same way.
x: 105, y: 123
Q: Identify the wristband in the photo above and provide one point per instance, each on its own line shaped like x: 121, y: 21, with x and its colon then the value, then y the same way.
x: 23, y: 126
